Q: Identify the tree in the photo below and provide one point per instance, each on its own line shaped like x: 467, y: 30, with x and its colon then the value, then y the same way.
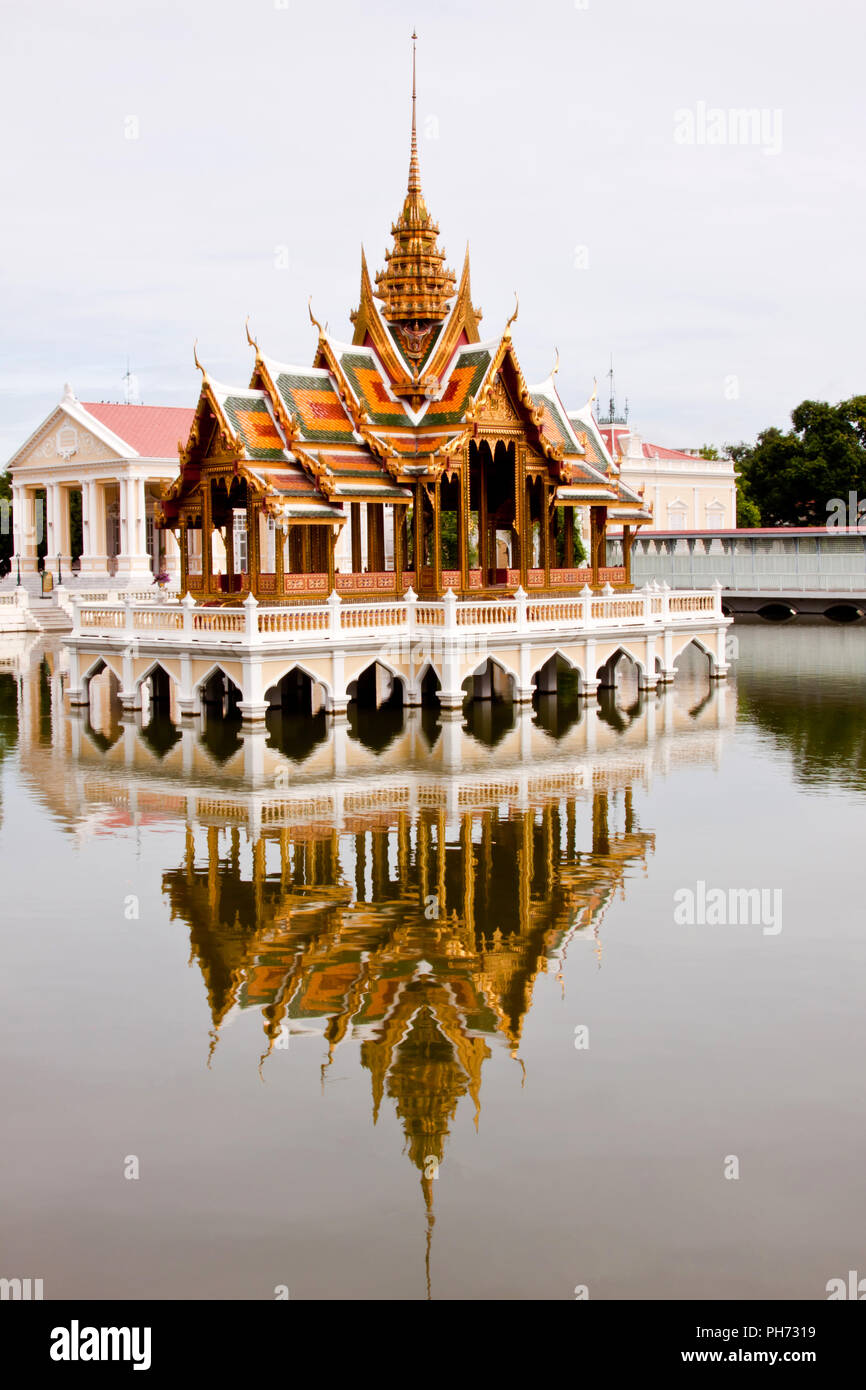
x: 792, y: 477
x: 6, y: 537
x: 747, y: 510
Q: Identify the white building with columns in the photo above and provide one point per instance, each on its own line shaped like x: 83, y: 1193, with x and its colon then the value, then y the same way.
x: 686, y: 492
x: 117, y: 457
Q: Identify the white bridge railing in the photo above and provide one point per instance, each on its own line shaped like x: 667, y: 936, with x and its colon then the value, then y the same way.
x: 254, y: 624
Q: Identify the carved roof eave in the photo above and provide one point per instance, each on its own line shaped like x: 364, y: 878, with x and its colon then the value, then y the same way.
x: 532, y: 415
x: 289, y: 425
x: 227, y: 437
x: 368, y: 321
x: 262, y: 381
x: 326, y: 357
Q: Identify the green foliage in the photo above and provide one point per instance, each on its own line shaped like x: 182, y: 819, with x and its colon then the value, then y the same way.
x: 747, y: 510
x: 708, y: 451
x: 6, y: 537
x: 791, y: 477
x: 448, y: 532
x: 76, y: 540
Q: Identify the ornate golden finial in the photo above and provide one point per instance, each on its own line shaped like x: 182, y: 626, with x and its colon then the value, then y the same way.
x: 514, y: 315
x: 415, y: 285
x: 250, y: 339
x: 313, y: 318
x: 555, y: 367
x: 196, y: 361
x: 414, y: 171
x: 594, y: 390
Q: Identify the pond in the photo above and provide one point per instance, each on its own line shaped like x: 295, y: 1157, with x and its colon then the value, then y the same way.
x: 402, y: 1008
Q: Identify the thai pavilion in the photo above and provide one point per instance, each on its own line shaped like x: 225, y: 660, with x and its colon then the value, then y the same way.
x: 414, y: 456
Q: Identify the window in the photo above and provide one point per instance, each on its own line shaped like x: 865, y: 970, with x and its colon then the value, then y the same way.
x: 193, y: 550
x: 268, y: 544
x: 241, y: 550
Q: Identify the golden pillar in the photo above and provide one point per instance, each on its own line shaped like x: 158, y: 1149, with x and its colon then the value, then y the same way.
x: 206, y: 541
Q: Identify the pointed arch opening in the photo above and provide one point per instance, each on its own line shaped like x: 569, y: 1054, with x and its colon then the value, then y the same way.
x: 376, y: 706
x: 102, y: 689
x: 158, y: 711
x: 220, y: 695
x: 377, y: 687
x: 559, y: 687
x: 296, y: 720
x: 491, y: 681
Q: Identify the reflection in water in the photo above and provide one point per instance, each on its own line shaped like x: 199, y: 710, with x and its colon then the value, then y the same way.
x: 8, y: 720
x: 399, y: 886
x: 296, y: 735
x: 376, y: 729
x: 618, y: 715
x: 159, y: 733
x: 557, y: 714
x: 221, y: 735
x: 829, y: 746
x: 416, y: 931
x: 489, y: 720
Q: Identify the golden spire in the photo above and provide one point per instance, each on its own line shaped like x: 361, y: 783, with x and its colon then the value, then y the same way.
x: 414, y: 170
x: 415, y: 286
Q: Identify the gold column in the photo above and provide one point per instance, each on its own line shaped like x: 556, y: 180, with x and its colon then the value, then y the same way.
x: 206, y: 543
x: 483, y: 538
x: 568, y: 538
x: 184, y: 558
x: 357, y: 549
x: 399, y: 512
x: 280, y: 559
x: 545, y: 531
x: 404, y: 543
x: 330, y: 541
x: 525, y: 522
x: 437, y: 538
x: 418, y: 520
x: 254, y: 545
x: 593, y: 543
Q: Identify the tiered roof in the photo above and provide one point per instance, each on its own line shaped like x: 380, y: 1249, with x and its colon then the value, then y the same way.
x: 371, y: 417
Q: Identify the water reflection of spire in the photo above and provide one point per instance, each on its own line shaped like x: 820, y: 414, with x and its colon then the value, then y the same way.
x: 419, y: 935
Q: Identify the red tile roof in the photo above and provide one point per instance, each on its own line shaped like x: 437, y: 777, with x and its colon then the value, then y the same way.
x: 649, y: 450
x: 658, y: 450
x: 153, y: 431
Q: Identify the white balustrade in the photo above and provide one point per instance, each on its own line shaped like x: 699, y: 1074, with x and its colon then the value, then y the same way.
x: 335, y: 621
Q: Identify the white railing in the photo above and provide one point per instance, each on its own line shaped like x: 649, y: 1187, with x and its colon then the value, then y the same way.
x: 15, y: 611
x: 254, y: 624
x: 152, y: 595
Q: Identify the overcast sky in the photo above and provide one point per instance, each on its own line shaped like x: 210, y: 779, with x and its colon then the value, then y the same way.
x: 273, y: 139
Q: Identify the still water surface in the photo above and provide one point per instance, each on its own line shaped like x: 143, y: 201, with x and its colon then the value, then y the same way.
x: 326, y: 986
